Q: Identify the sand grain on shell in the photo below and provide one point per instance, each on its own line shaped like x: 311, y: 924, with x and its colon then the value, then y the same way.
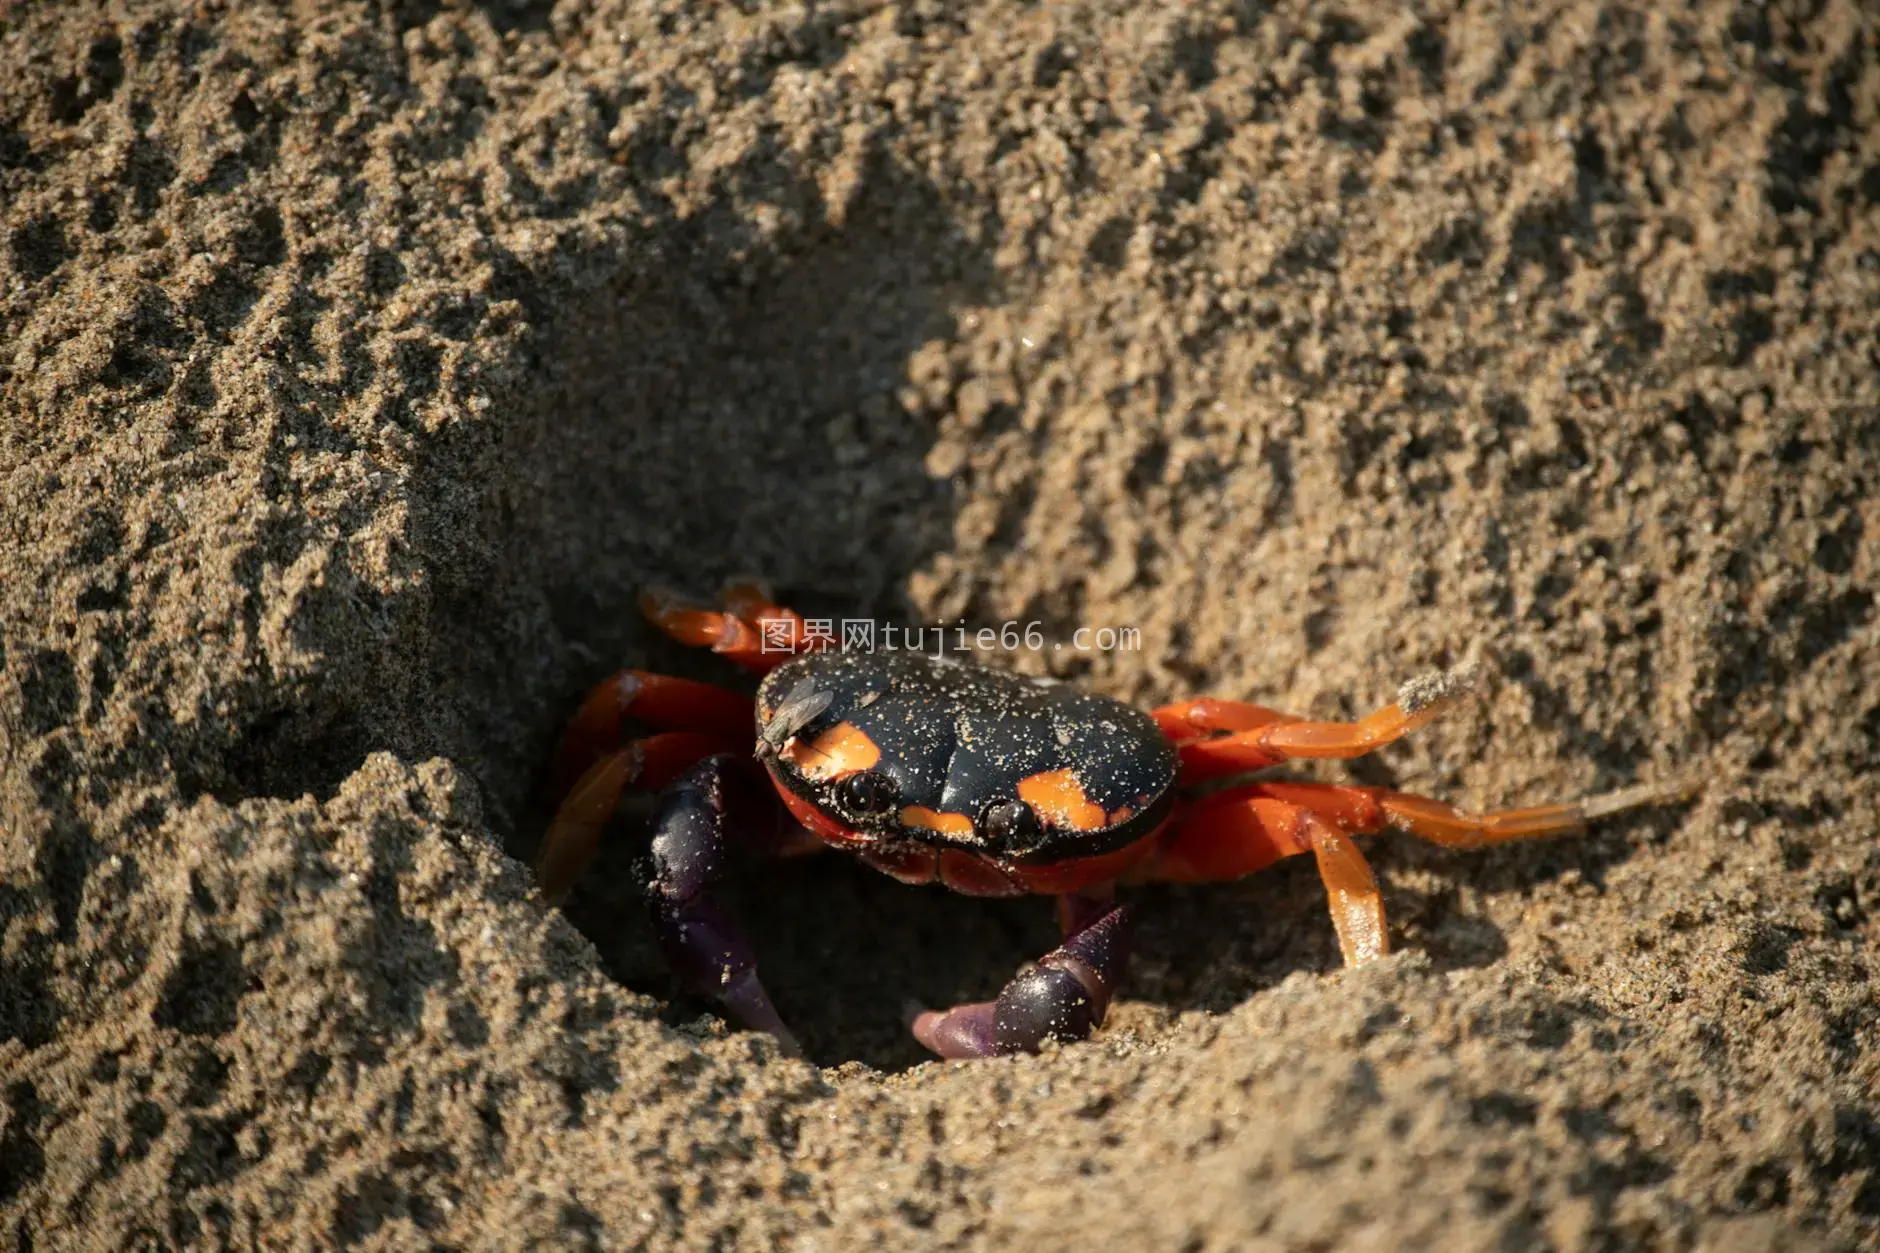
x: 358, y: 369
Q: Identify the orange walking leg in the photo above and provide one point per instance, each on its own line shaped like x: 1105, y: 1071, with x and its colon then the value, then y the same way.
x: 1443, y: 824
x: 1258, y: 737
x: 750, y: 630
x: 1206, y: 716
x: 661, y: 702
x: 1243, y: 830
x: 1238, y: 832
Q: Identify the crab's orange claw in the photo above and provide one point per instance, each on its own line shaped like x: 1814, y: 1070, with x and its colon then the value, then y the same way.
x: 1261, y: 737
x: 657, y: 700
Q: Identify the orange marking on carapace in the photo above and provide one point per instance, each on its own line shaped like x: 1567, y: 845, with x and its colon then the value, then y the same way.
x: 843, y: 749
x: 957, y: 825
x: 1060, y: 800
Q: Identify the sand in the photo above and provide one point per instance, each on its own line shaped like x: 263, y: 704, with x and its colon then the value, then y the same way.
x: 359, y: 367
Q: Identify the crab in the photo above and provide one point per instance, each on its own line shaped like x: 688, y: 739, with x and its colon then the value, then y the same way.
x: 987, y: 782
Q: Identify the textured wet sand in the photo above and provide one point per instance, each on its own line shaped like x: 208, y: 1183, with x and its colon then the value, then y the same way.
x: 356, y: 371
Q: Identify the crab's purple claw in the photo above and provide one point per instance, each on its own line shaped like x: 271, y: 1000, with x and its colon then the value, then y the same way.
x: 963, y: 1031
x: 1063, y: 997
x: 698, y: 823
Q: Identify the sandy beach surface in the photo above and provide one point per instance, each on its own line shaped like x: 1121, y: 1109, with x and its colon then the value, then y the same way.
x: 360, y: 362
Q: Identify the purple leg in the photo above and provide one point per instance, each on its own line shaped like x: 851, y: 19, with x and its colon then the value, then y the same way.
x: 702, y: 821
x: 1063, y: 997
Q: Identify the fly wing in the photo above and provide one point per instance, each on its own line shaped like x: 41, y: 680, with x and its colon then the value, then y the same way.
x: 802, y: 705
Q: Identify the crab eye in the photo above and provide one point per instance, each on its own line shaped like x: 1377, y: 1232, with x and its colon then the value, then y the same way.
x: 868, y: 793
x: 1012, y: 824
